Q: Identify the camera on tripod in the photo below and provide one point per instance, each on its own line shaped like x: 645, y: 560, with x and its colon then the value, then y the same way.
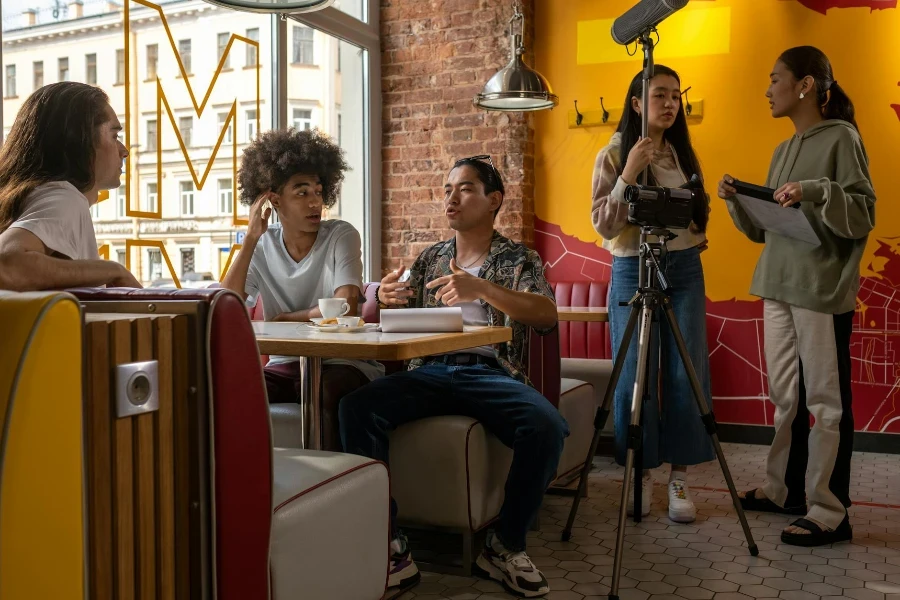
x: 662, y: 207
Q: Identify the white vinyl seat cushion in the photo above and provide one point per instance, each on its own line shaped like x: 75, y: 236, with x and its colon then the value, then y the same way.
x: 330, y: 510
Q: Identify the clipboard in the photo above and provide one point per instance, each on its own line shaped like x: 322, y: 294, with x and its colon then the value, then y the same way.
x: 767, y: 214
x: 757, y: 191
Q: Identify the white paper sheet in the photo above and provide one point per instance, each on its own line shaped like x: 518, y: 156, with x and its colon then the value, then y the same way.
x: 421, y: 320
x: 771, y: 216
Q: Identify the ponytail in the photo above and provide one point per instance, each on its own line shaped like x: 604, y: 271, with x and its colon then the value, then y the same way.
x: 838, y: 105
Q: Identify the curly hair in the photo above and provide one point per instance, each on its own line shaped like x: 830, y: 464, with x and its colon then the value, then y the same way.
x: 277, y: 155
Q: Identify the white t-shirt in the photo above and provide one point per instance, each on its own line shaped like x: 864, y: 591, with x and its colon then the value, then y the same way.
x: 60, y: 216
x: 286, y: 285
x: 474, y: 313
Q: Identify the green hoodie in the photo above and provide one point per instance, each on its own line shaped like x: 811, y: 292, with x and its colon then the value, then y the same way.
x: 831, y: 165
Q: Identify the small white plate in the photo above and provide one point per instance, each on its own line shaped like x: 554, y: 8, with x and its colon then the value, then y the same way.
x: 342, y: 328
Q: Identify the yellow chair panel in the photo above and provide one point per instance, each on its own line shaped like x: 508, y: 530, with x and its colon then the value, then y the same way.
x: 42, y: 525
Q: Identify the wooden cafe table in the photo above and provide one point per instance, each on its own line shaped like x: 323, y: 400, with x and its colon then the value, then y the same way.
x: 311, y: 346
x: 588, y: 314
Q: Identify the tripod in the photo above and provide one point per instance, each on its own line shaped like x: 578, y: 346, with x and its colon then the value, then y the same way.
x: 650, y: 296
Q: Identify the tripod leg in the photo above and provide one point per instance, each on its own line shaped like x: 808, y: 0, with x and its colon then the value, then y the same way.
x: 635, y: 438
x: 709, y: 421
x: 601, y: 416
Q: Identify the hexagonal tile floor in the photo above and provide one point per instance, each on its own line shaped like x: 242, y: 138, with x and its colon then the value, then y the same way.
x: 708, y: 558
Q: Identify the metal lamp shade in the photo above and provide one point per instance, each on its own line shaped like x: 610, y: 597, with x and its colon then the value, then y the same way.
x: 274, y: 6
x: 516, y: 87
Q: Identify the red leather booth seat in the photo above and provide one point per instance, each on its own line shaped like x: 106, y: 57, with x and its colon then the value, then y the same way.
x: 583, y: 340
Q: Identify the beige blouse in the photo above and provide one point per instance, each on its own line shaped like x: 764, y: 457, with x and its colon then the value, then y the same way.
x: 609, y: 211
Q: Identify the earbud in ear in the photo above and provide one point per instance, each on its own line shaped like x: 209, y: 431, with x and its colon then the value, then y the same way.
x: 802, y: 95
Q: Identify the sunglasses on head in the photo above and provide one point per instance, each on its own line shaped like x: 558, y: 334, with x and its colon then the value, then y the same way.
x: 483, y: 158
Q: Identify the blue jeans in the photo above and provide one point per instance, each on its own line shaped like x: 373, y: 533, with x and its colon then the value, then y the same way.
x: 517, y: 414
x: 673, y: 432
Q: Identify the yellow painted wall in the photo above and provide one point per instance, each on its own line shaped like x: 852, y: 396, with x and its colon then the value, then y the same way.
x: 737, y: 133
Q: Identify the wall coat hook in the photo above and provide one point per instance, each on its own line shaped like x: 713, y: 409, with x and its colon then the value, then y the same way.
x: 578, y: 116
x: 687, y: 103
x: 605, y: 112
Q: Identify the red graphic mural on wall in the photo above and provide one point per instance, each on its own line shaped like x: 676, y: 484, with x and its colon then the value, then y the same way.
x: 735, y: 335
x: 821, y: 6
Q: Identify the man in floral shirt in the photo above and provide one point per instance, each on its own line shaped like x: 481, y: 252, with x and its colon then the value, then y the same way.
x: 496, y: 282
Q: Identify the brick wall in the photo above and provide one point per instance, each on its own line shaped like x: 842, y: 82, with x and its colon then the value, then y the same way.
x: 436, y: 56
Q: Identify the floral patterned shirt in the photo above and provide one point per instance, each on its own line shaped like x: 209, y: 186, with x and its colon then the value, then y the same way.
x: 508, y: 264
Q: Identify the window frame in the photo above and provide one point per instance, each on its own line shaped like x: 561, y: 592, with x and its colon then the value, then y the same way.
x: 366, y: 35
x: 90, y: 68
x: 59, y: 69
x: 9, y: 89
x: 34, y: 74
x: 181, y: 199
x: 220, y: 192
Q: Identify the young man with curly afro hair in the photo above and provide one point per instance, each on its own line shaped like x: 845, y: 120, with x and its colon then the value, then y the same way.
x: 290, y: 265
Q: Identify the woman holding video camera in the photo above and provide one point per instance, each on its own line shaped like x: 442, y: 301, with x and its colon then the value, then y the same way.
x: 673, y: 432
x: 809, y: 297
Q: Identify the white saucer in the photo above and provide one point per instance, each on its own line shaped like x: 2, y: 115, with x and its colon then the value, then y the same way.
x: 341, y: 328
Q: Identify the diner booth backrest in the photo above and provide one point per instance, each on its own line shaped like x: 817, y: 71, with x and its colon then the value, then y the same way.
x: 583, y: 340
x: 224, y: 465
x: 42, y: 525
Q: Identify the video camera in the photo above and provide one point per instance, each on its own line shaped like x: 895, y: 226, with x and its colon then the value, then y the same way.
x: 651, y: 206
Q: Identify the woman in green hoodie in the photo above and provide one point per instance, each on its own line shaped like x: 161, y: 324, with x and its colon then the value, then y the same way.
x: 809, y: 295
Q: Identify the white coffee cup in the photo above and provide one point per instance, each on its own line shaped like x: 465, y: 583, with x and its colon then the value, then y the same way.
x: 349, y: 321
x: 333, y: 307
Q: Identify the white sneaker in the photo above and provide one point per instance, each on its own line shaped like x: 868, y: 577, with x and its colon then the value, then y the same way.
x: 681, y: 507
x: 646, y: 495
x: 513, y: 569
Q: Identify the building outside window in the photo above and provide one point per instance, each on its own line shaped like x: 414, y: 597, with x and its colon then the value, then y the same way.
x: 222, y: 44
x: 38, y: 77
x: 152, y: 196
x: 226, y: 196
x: 302, y: 119
x: 151, y: 135
x: 184, y: 51
x: 252, y: 34
x: 90, y: 69
x: 63, y: 69
x: 152, y: 60
x: 120, y: 257
x: 303, y: 46
x: 186, y: 127
x: 187, y: 198
x: 251, y: 125
x: 120, y: 66
x: 229, y: 134
x: 10, y: 91
x: 154, y: 264
x: 121, y: 202
x: 187, y: 261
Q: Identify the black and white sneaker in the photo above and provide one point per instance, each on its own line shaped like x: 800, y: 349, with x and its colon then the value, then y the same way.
x: 513, y: 569
x: 403, y: 573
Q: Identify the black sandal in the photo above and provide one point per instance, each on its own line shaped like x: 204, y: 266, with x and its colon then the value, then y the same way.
x: 817, y: 536
x: 751, y: 502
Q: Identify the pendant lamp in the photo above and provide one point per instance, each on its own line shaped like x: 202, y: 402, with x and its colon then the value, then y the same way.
x: 274, y: 6
x: 516, y: 87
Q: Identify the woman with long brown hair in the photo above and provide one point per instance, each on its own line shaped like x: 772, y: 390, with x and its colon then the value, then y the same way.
x: 809, y: 297
x: 63, y: 149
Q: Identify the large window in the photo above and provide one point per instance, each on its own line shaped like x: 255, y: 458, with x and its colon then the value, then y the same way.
x: 10, y: 90
x: 90, y: 69
x: 121, y: 202
x: 303, y: 46
x: 159, y: 175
